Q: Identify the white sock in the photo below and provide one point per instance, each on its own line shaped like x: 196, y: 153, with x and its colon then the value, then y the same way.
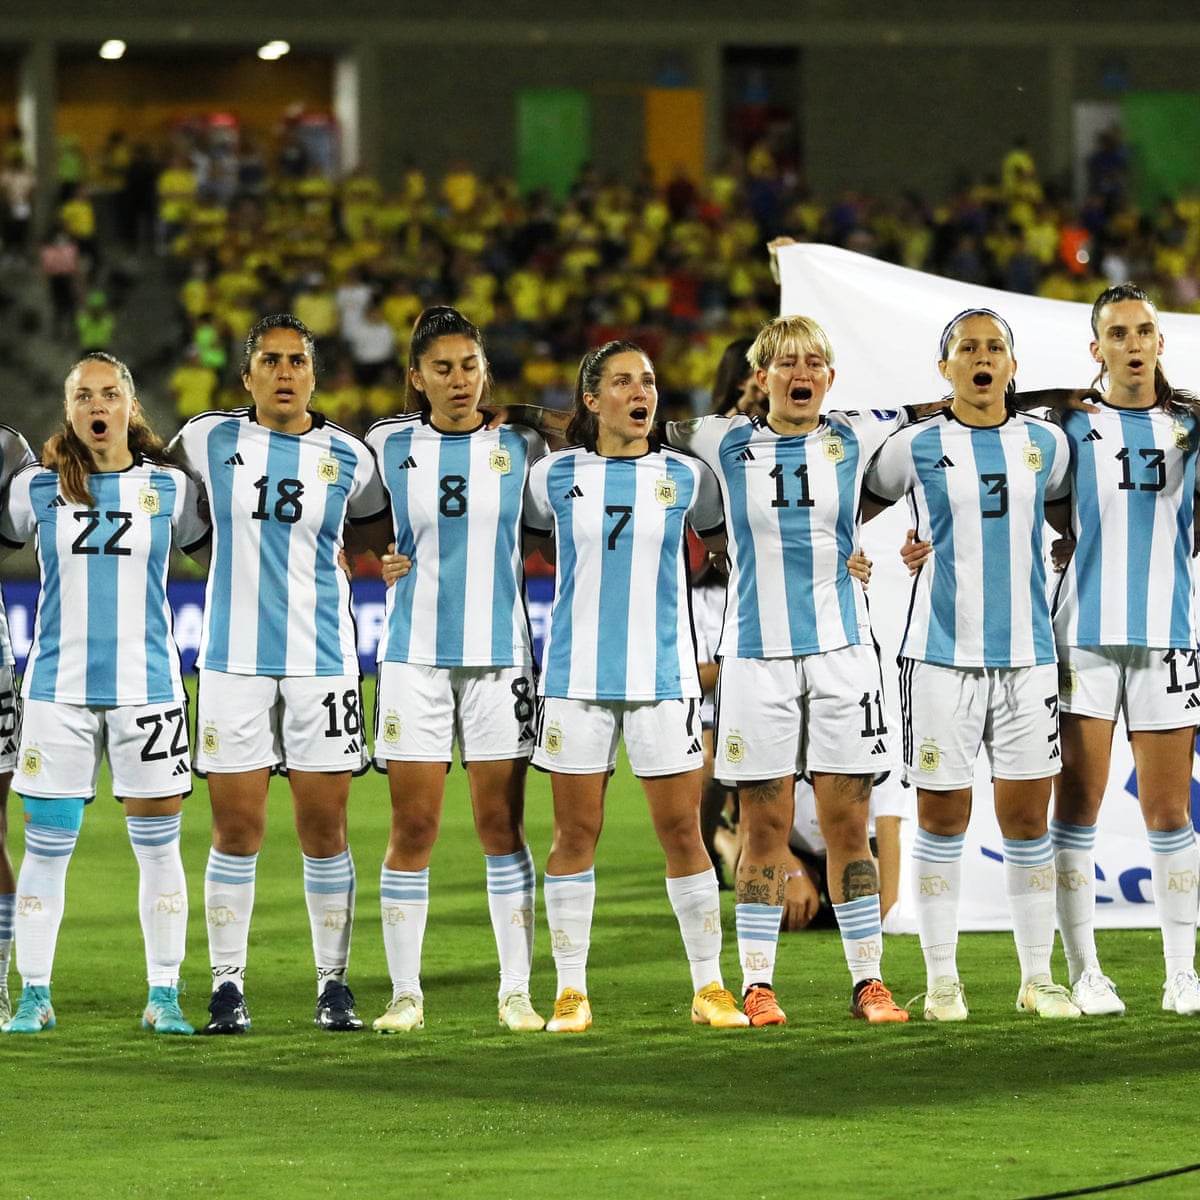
x: 696, y: 900
x: 329, y: 895
x: 1075, y: 895
x: 862, y: 936
x: 1174, y: 862
x: 758, y: 940
x: 41, y: 888
x: 1029, y: 879
x: 8, y: 905
x: 511, y: 889
x: 162, y: 895
x: 228, y: 906
x: 937, y: 883
x: 404, y: 904
x: 570, y: 902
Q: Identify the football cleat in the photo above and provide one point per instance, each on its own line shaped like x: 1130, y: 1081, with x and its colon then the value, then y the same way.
x: 227, y: 1011
x: 1181, y: 994
x: 403, y: 1015
x: 1048, y: 999
x: 163, y: 1013
x: 335, y: 1009
x: 872, y: 1002
x: 517, y: 1013
x: 34, y: 1011
x: 1095, y: 995
x: 761, y: 1006
x: 945, y: 1001
x: 714, y: 1005
x: 572, y: 1013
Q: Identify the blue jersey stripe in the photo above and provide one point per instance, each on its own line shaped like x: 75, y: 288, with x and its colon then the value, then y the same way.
x: 44, y: 672
x: 619, y: 531
x: 794, y: 520
x: 560, y: 479
x: 222, y: 445
x: 104, y: 601
x: 274, y: 541
x: 400, y: 597
x: 927, y: 451
x: 158, y: 633
x: 453, y: 523
x: 995, y: 534
x: 733, y: 471
x: 1089, y: 552
x: 847, y: 531
x: 326, y: 594
x: 666, y: 666
x: 507, y: 597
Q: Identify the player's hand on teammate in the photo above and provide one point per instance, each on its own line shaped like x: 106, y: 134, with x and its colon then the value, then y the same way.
x: 859, y: 566
x: 1061, y: 550
x: 801, y: 901
x: 913, y: 553
x: 395, y: 566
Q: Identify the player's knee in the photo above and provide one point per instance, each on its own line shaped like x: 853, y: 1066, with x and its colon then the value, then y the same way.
x: 62, y: 813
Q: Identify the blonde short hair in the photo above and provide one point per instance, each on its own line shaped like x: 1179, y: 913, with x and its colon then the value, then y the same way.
x: 777, y: 336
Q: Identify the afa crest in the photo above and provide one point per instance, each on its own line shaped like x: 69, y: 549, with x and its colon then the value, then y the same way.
x: 209, y: 740
x: 833, y: 448
x: 554, y: 739
x: 500, y: 461
x: 1032, y: 456
x: 391, y: 728
x: 735, y: 748
x: 148, y: 500
x: 929, y: 757
x: 1068, y: 680
x: 31, y: 761
x: 664, y: 491
x: 1180, y: 434
x: 328, y: 469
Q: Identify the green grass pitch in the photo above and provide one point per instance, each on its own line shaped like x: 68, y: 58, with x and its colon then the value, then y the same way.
x: 643, y: 1104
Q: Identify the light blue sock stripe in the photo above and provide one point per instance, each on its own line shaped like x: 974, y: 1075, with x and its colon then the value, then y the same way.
x: 933, y: 847
x: 154, y: 831
x: 50, y: 842
x: 409, y: 886
x: 1037, y: 852
x: 859, y: 918
x: 758, y: 922
x: 510, y: 874
x: 1072, y: 837
x: 327, y: 876
x: 230, y: 868
x: 588, y: 876
x: 8, y: 906
x: 1171, y: 841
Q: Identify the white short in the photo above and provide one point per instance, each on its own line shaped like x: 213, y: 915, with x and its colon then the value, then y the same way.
x: 819, y: 712
x: 421, y: 711
x: 10, y: 720
x: 1152, y: 689
x: 950, y: 712
x: 62, y: 744
x: 305, y: 723
x: 579, y: 737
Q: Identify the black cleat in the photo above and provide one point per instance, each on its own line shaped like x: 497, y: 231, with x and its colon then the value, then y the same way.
x: 335, y: 1009
x: 227, y: 1010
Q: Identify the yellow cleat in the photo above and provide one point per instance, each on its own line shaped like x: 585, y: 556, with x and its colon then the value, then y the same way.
x: 403, y: 1015
x: 572, y: 1013
x: 714, y: 1005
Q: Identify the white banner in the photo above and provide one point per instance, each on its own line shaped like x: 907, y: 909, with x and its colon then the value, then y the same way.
x: 884, y: 323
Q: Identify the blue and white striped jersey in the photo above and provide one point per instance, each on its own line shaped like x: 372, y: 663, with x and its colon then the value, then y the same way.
x: 457, y: 501
x: 1129, y: 582
x: 979, y: 496
x: 791, y: 506
x: 621, y: 626
x: 277, y: 603
x: 103, y: 632
x: 14, y: 454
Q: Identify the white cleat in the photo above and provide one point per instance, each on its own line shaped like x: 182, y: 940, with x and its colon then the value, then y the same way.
x: 1181, y: 993
x: 1048, y: 999
x: 403, y: 1015
x: 945, y: 1000
x: 518, y: 1014
x: 1095, y: 995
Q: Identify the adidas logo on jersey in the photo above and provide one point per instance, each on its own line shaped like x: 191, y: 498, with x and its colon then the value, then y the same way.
x: 181, y: 768
x: 1094, y: 436
x: 353, y: 748
x: 695, y: 747
x: 407, y: 464
x: 880, y: 747
x: 576, y: 493
x: 1193, y: 701
x: 10, y: 747
x: 235, y: 460
x: 944, y: 461
x: 57, y: 502
x: 746, y: 455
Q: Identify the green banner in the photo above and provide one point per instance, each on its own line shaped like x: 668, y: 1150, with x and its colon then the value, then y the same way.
x: 554, y: 138
x: 1163, y: 131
